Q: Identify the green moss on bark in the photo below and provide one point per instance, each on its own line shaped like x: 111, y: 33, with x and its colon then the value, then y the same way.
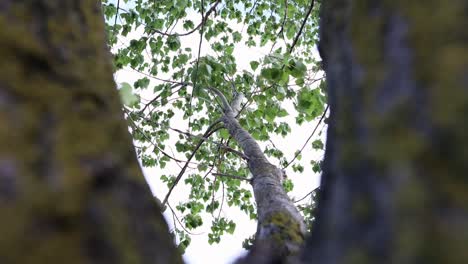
x: 289, y: 229
x: 69, y: 173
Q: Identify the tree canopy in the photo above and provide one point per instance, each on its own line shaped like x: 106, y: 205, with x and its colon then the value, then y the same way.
x: 181, y: 49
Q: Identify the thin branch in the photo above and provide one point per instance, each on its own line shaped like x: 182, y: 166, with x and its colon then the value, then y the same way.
x: 307, y: 141
x: 298, y: 35
x: 223, y: 146
x: 173, y: 27
x: 249, y: 13
x: 204, y: 19
x: 222, y: 200
x: 135, y: 127
x: 213, y: 191
x: 159, y: 79
x: 159, y: 96
x: 305, y: 196
x: 180, y: 223
x: 202, y: 23
x: 231, y: 176
x: 284, y: 21
x: 211, y: 129
x: 116, y: 15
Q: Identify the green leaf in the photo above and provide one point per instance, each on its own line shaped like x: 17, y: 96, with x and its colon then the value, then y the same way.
x: 297, y: 68
x: 236, y: 36
x: 173, y: 43
x: 231, y: 227
x: 254, y: 65
x: 188, y: 24
x: 127, y: 96
x: 317, y: 144
x: 271, y: 74
x: 282, y: 113
x: 142, y: 83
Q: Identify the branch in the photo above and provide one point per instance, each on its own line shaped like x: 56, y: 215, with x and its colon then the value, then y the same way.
x: 159, y: 96
x: 298, y: 35
x: 226, y: 106
x: 236, y: 103
x: 307, y: 141
x: 180, y: 223
x: 135, y: 127
x: 159, y: 79
x: 232, y: 176
x: 249, y: 13
x: 204, y: 19
x: 223, y: 146
x: 116, y: 15
x: 305, y: 196
x: 284, y: 19
x: 209, y: 131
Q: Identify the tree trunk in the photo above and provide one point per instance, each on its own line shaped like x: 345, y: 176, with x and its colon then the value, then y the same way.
x: 394, y: 188
x: 280, y: 227
x: 71, y: 190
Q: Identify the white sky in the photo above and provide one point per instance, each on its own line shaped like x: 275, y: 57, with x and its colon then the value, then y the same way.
x: 230, y: 246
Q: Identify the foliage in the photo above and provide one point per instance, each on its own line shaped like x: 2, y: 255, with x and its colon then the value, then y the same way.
x: 177, y: 77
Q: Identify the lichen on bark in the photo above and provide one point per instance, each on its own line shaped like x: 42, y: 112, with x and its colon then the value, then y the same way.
x: 71, y: 189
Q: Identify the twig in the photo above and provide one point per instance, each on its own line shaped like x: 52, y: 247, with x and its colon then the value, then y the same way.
x: 135, y: 127
x: 211, y: 129
x: 307, y: 141
x: 249, y: 13
x: 159, y: 96
x: 305, y: 196
x: 223, y: 146
x: 232, y: 176
x: 202, y: 23
x: 180, y: 223
x: 204, y: 19
x: 284, y: 20
x: 159, y: 79
x: 222, y: 200
x: 298, y: 35
x: 116, y: 15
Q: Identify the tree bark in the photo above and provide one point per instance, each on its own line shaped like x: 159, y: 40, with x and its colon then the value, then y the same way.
x: 394, y: 188
x: 71, y: 190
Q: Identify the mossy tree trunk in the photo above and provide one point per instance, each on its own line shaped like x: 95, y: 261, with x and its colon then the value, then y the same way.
x: 280, y: 227
x: 71, y: 190
x: 395, y: 185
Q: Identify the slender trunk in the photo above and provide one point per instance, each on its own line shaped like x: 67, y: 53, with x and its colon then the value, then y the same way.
x: 71, y: 190
x: 394, y: 188
x: 281, y: 229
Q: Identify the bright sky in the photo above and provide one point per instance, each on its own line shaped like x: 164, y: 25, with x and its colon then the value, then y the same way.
x: 230, y: 246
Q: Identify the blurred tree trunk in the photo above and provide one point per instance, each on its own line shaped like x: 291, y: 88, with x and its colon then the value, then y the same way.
x: 71, y: 190
x: 395, y: 184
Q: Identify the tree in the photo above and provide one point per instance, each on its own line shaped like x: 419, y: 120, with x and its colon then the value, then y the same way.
x: 199, y: 82
x: 70, y: 187
x: 394, y: 188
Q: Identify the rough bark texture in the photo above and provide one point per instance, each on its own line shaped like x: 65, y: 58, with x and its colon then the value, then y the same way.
x: 281, y: 229
x: 71, y: 190
x: 394, y: 188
